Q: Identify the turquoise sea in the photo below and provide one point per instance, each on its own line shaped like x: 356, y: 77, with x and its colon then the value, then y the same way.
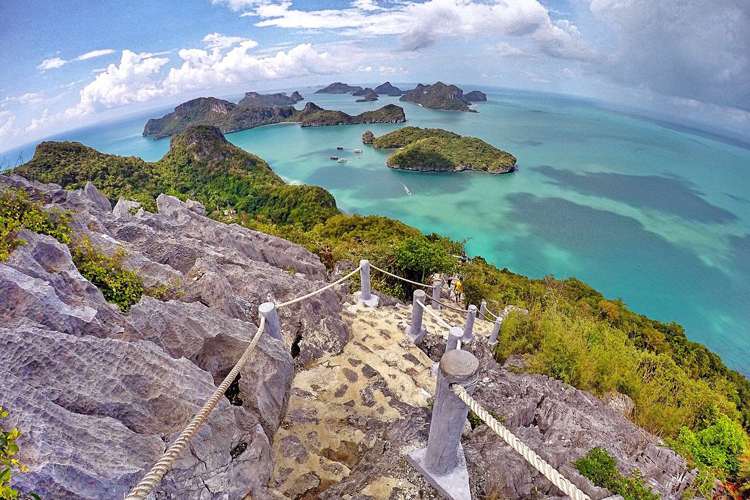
x: 654, y: 214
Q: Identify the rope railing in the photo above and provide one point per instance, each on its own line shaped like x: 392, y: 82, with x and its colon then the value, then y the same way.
x: 155, y: 475
x: 316, y: 292
x: 400, y: 278
x: 437, y: 318
x: 150, y: 480
x: 527, y: 453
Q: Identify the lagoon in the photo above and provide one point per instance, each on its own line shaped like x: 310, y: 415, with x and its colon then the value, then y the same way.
x: 656, y: 215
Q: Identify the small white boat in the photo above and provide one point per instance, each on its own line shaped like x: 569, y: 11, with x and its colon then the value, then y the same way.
x: 342, y: 160
x: 358, y: 151
x: 406, y: 189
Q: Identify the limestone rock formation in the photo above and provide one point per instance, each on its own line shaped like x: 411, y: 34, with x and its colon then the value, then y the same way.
x: 99, y: 393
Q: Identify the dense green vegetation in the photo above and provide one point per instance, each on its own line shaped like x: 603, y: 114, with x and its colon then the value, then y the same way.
x: 405, y: 136
x: 120, y: 286
x: 315, y: 116
x: 227, y: 116
x: 10, y: 467
x: 18, y: 212
x: 435, y: 149
x: 464, y: 153
x: 200, y: 165
x: 681, y: 390
x: 601, y: 468
x: 256, y: 99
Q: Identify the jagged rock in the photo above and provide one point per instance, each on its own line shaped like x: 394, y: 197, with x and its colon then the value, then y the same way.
x: 215, y: 343
x: 126, y: 208
x: 99, y: 392
x: 562, y: 424
x: 196, y: 206
x: 94, y: 412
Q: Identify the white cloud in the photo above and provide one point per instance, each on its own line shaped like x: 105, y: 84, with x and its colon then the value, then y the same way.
x: 94, y: 53
x: 419, y: 25
x: 57, y: 62
x: 6, y: 124
x: 134, y: 80
x: 219, y: 41
x: 502, y: 49
x: 688, y: 48
x: 204, y: 69
x: 31, y: 98
x: 240, y: 4
x: 141, y: 77
x: 52, y: 63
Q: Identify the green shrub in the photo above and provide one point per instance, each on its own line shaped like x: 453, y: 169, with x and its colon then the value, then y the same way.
x: 10, y: 467
x: 718, y: 446
x: 18, y: 212
x: 118, y: 285
x: 475, y: 421
x: 601, y: 469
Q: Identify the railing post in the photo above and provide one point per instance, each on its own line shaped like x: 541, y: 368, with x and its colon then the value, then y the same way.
x: 483, y: 308
x: 436, y: 289
x: 273, y: 327
x: 417, y: 329
x: 365, y: 295
x: 454, y: 336
x: 495, y: 330
x: 442, y: 462
x: 469, y: 327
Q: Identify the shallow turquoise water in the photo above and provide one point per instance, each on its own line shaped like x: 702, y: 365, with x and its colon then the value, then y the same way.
x: 657, y: 216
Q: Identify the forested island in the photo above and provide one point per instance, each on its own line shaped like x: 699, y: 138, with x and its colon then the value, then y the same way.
x: 259, y: 110
x: 672, y: 387
x: 438, y: 150
x: 315, y: 116
x: 263, y: 100
x: 444, y: 97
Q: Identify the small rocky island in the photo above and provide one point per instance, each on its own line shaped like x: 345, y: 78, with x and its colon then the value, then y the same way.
x: 438, y: 150
x: 338, y: 88
x: 388, y: 89
x: 315, y: 116
x: 256, y: 99
x: 368, y: 96
x: 444, y: 97
x: 256, y: 110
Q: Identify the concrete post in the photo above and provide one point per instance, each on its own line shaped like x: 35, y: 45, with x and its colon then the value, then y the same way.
x: 417, y: 329
x: 365, y: 295
x: 495, y: 330
x: 442, y: 462
x: 454, y: 336
x: 437, y: 287
x: 469, y: 327
x: 483, y: 308
x: 273, y: 327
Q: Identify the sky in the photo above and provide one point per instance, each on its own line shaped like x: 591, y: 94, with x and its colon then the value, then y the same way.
x: 68, y: 64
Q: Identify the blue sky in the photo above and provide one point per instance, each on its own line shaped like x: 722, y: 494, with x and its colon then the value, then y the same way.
x: 73, y: 63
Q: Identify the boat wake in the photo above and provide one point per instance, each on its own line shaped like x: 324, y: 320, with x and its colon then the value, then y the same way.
x: 406, y: 189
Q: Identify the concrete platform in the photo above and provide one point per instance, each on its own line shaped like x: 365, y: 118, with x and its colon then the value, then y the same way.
x: 453, y: 486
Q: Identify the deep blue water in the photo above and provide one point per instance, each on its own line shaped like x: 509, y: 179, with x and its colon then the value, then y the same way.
x: 657, y: 215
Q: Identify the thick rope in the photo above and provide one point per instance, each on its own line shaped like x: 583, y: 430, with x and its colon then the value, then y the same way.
x: 490, y: 313
x: 150, y: 480
x: 400, y: 278
x: 438, y: 318
x: 538, y: 462
x: 316, y: 292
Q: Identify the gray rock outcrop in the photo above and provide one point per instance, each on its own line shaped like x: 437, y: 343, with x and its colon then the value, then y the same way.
x: 99, y: 394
